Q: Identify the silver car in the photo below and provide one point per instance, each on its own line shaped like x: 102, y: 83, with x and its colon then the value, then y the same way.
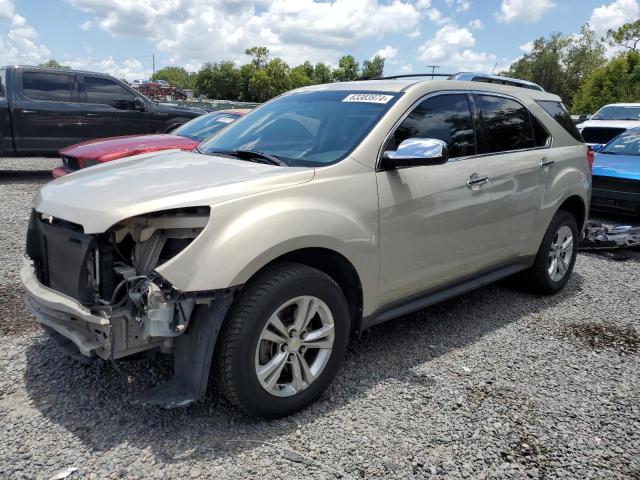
x: 325, y: 211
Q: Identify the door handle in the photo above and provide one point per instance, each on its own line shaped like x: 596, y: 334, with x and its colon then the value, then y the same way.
x: 546, y: 163
x: 475, y: 181
x: 28, y: 112
x: 88, y: 114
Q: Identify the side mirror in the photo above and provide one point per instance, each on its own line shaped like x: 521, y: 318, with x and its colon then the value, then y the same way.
x: 597, y: 147
x: 138, y: 104
x: 415, y: 152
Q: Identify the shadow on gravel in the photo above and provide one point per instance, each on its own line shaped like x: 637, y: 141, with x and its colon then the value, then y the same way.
x: 24, y: 176
x: 94, y: 401
x: 14, y: 319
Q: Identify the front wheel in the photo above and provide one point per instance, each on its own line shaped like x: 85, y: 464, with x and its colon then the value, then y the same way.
x: 556, y: 257
x: 283, y: 342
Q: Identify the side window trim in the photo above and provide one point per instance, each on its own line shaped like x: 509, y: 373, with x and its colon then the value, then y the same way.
x: 477, y: 93
x: 415, y: 105
x: 74, y: 86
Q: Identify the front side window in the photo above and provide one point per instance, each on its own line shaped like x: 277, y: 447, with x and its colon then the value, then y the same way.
x: 204, y: 126
x: 443, y: 117
x: 45, y: 86
x: 627, y: 143
x: 305, y: 128
x: 107, y: 92
x: 507, y: 125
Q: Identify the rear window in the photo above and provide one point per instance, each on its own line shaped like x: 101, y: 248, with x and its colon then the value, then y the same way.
x: 51, y: 87
x: 560, y: 114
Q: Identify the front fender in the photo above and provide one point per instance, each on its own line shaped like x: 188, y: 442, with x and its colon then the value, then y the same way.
x: 248, y: 233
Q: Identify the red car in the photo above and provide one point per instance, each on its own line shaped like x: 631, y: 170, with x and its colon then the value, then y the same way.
x: 185, y: 137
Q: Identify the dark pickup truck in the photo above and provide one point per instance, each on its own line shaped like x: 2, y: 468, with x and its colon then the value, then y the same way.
x: 43, y: 110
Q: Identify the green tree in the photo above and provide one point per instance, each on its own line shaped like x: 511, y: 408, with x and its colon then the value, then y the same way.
x: 246, y: 74
x: 176, y: 76
x: 219, y: 80
x: 617, y: 81
x: 278, y: 72
x: 322, y: 73
x: 299, y: 78
x: 627, y: 36
x: 560, y: 63
x: 373, y: 68
x: 259, y: 56
x: 259, y: 86
x: 53, y: 64
x: 347, y: 69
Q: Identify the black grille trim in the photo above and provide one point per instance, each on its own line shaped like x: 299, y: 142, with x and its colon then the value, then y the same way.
x: 601, y: 134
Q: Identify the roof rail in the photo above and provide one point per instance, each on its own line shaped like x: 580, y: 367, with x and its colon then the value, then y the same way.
x: 487, y: 78
x: 472, y: 77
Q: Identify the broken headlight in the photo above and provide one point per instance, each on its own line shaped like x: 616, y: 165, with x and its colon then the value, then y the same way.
x: 147, y: 241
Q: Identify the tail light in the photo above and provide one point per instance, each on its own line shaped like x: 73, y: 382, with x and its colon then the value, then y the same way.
x: 590, y: 155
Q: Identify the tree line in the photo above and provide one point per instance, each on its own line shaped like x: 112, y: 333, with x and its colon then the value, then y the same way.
x: 263, y: 77
x: 575, y: 67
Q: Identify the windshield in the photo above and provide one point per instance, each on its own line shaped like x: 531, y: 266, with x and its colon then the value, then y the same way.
x: 627, y: 143
x: 203, y: 127
x: 305, y: 128
x: 617, y: 112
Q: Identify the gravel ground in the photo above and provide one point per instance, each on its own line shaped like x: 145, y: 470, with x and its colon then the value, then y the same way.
x: 494, y: 384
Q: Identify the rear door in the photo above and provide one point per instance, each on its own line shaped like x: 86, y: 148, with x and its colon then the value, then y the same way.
x: 110, y: 109
x: 516, y: 147
x: 46, y: 112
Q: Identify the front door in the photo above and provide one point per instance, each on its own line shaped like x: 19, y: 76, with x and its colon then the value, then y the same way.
x: 434, y: 225
x: 110, y: 109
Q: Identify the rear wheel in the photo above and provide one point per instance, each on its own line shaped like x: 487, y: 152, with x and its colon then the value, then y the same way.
x: 556, y: 256
x: 283, y: 342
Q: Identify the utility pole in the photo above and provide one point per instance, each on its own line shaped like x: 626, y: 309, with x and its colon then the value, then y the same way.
x: 433, y: 69
x: 153, y: 57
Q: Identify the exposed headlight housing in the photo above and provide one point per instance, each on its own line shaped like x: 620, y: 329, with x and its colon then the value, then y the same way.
x: 147, y: 241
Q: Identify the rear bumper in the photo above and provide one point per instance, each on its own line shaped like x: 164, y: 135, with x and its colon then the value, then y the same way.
x: 616, y: 200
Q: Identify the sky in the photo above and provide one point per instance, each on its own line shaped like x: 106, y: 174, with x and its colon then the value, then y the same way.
x: 120, y: 36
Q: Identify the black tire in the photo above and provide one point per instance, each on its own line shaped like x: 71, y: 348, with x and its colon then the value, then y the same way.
x: 235, y: 367
x: 538, y: 278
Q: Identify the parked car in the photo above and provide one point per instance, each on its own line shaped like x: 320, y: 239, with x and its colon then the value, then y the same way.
x: 610, y: 121
x: 322, y: 213
x: 616, y: 174
x: 45, y: 109
x: 185, y: 137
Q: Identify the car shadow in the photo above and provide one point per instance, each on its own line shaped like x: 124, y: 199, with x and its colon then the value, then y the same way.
x: 25, y: 176
x: 95, y: 401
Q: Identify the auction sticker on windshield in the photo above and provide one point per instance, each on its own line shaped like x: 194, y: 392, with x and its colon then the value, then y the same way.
x: 367, y: 98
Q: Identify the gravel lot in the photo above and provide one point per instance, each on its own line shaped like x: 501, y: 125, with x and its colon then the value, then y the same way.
x: 494, y: 384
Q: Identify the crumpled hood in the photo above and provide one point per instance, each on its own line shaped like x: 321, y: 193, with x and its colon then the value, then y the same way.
x: 610, y: 124
x: 100, y: 196
x: 620, y: 166
x: 94, y: 149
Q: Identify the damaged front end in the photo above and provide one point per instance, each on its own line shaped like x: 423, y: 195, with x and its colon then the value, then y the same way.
x: 99, y: 294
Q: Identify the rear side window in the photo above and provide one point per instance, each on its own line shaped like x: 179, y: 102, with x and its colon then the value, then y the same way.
x: 507, y: 125
x: 559, y: 113
x: 540, y: 133
x: 107, y: 92
x: 444, y: 117
x: 2, y: 94
x: 51, y: 87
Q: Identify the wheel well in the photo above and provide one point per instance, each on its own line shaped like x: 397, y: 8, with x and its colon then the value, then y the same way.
x: 339, y: 269
x: 575, y: 206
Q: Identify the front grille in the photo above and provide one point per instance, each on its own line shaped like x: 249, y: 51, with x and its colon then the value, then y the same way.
x: 600, y: 134
x: 616, y: 184
x: 66, y: 259
x: 70, y: 163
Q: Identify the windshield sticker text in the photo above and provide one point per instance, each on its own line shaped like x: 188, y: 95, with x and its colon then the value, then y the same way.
x: 367, y: 98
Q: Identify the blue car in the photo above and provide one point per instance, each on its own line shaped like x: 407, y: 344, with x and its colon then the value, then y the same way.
x: 616, y: 174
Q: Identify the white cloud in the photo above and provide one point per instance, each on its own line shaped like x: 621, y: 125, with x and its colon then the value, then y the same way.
x: 523, y: 10
x: 129, y: 69
x: 453, y: 46
x: 193, y: 31
x: 406, y: 68
x: 388, y: 53
x: 18, y: 39
x: 526, y: 47
x: 614, y: 15
x: 86, y: 25
x: 476, y: 24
